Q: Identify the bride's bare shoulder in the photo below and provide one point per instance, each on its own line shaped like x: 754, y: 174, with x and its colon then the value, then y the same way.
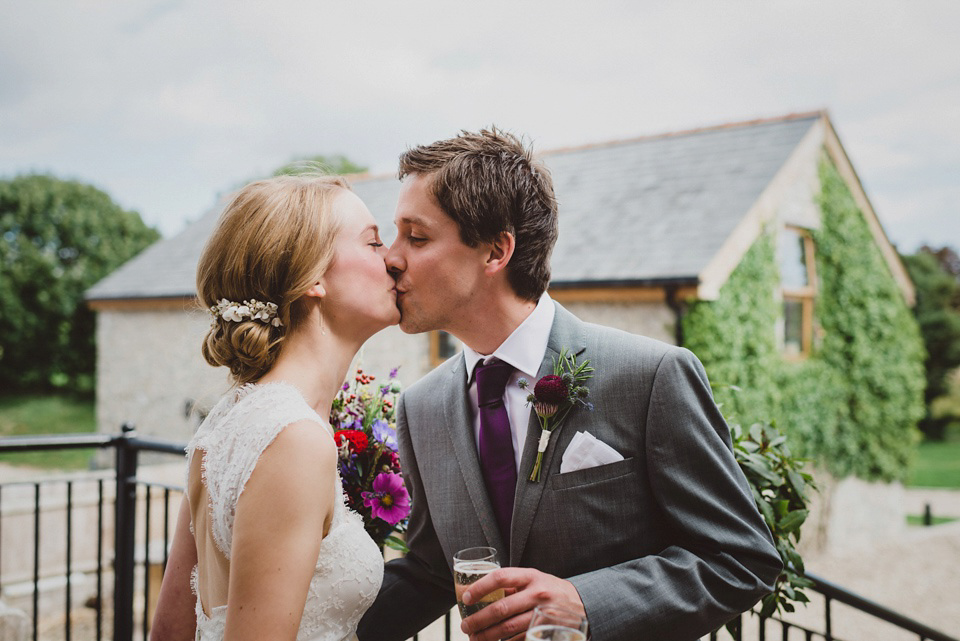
x: 302, y: 455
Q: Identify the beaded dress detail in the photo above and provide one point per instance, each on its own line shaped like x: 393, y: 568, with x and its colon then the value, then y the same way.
x: 349, y: 568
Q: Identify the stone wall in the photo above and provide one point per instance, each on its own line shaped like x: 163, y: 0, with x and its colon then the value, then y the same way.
x: 652, y: 319
x: 150, y: 371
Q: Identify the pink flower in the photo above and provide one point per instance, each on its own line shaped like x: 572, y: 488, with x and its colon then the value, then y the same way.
x: 389, y: 500
x: 545, y: 410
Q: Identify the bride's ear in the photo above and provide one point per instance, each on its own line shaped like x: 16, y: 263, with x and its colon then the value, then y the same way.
x: 317, y: 291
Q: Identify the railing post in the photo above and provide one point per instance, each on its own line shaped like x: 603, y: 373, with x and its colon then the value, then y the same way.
x: 126, y: 512
x: 828, y: 635
x: 735, y: 627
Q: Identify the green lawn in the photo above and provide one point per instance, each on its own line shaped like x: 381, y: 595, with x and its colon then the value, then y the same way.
x: 48, y: 414
x: 913, y: 519
x: 937, y: 464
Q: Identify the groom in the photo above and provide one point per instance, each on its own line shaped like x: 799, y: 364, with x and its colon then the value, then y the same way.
x: 665, y: 542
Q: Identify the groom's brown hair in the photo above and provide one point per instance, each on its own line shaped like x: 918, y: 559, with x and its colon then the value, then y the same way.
x: 489, y: 182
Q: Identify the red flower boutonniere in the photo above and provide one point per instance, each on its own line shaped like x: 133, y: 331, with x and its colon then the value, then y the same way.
x: 554, y: 396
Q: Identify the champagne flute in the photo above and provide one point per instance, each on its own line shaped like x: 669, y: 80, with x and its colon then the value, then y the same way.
x: 469, y: 566
x: 556, y: 624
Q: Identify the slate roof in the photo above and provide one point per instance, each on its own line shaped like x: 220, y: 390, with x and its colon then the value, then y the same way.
x: 652, y: 210
x: 165, y: 269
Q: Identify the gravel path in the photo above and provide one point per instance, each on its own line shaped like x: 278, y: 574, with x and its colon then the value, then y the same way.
x: 917, y: 576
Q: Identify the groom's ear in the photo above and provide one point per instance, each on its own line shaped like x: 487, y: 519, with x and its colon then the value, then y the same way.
x: 500, y: 252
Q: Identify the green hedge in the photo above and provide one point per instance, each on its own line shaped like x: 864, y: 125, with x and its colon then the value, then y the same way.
x: 854, y: 403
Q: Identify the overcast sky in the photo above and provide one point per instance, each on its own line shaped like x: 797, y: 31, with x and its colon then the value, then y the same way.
x: 167, y: 104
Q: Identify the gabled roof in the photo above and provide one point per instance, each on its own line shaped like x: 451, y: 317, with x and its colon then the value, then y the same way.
x: 658, y: 209
x: 647, y: 211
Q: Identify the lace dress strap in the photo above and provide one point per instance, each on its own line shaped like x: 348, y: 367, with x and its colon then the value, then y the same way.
x: 232, y: 441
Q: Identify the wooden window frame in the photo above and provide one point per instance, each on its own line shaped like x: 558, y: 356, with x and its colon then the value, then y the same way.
x: 435, y: 357
x: 806, y: 296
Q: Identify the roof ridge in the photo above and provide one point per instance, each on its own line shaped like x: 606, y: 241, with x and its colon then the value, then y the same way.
x: 801, y: 115
x: 797, y: 115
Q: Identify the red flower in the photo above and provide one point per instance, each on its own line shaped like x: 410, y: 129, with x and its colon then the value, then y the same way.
x: 551, y: 390
x: 390, y: 460
x: 358, y: 440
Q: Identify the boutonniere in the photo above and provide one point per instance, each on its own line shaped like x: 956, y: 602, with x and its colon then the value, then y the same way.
x: 555, y: 395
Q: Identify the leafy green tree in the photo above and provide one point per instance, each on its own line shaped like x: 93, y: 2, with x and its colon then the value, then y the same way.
x: 936, y: 276
x: 57, y: 238
x: 337, y: 164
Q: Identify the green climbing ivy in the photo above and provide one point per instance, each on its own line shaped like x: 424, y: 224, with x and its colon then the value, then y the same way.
x: 853, y: 405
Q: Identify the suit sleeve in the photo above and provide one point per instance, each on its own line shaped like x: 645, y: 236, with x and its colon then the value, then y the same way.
x: 418, y: 588
x: 721, y: 559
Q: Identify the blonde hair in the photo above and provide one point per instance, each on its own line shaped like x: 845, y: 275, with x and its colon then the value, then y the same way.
x: 272, y: 243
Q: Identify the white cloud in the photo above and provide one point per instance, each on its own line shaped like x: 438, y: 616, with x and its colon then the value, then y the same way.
x: 167, y: 103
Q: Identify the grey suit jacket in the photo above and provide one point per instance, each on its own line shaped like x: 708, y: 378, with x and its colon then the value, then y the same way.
x: 666, y: 544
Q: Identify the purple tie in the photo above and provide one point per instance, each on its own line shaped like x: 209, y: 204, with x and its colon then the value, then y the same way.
x: 496, y: 443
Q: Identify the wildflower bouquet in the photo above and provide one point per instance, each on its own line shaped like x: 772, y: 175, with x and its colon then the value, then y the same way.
x: 365, y: 431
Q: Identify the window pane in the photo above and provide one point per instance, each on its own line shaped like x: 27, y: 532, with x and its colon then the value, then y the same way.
x: 792, y: 326
x: 793, y: 264
x: 446, y: 345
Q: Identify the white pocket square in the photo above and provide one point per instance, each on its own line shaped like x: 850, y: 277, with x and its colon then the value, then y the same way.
x: 586, y: 450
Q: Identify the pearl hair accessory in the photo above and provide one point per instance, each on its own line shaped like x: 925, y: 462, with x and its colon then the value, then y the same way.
x: 247, y: 310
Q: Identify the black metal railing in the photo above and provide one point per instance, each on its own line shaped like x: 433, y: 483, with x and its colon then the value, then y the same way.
x: 831, y: 593
x: 131, y: 492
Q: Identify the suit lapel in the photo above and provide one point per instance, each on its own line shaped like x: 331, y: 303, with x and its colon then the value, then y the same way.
x: 459, y: 422
x: 567, y: 332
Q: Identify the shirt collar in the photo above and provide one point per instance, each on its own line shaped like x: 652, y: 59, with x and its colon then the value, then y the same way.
x: 525, y: 347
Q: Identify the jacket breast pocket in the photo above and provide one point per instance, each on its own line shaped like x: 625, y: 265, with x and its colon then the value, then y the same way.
x: 590, y: 518
x: 591, y: 475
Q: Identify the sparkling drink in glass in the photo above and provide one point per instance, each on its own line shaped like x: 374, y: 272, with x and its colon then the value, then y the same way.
x: 551, y: 623
x: 469, y: 566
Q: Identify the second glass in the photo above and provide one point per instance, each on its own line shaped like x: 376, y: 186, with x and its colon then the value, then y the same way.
x: 556, y: 624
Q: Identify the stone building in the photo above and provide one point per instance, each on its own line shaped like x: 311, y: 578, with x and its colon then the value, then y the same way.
x: 646, y: 226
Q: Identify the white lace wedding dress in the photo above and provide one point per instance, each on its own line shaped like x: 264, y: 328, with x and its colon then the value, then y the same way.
x: 231, y: 439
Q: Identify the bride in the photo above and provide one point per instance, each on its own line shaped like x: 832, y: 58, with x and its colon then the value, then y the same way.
x: 295, y: 279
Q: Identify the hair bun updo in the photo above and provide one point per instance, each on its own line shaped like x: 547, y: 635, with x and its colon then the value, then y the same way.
x: 273, y: 242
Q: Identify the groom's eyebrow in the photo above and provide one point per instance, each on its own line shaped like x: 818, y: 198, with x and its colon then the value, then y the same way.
x: 412, y: 220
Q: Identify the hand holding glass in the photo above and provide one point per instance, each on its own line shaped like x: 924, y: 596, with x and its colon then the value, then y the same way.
x: 469, y: 566
x: 556, y: 624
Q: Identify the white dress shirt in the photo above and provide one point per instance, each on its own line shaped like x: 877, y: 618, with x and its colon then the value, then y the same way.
x: 524, y: 350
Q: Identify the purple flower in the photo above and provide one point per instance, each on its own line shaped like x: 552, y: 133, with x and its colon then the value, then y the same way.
x: 346, y: 387
x: 389, y: 500
x: 393, y: 373
x: 385, y: 434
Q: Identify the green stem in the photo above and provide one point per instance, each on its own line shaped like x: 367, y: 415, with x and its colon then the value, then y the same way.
x: 535, y: 475
x: 373, y: 468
